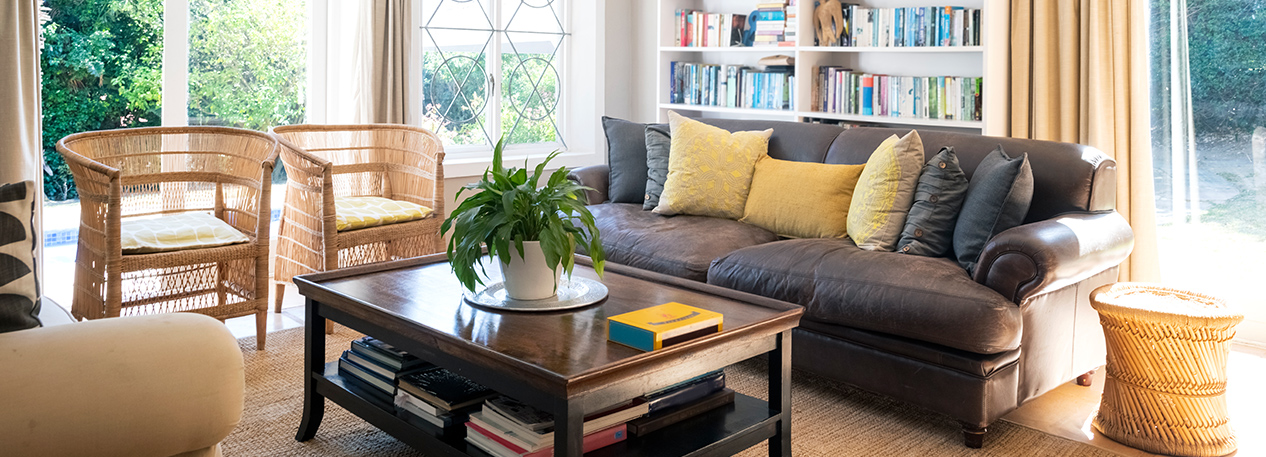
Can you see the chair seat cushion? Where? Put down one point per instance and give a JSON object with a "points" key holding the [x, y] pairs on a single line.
{"points": [[929, 299], [193, 230], [682, 246], [353, 213]]}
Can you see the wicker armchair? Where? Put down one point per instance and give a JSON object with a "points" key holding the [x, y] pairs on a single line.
{"points": [[324, 162], [155, 171]]}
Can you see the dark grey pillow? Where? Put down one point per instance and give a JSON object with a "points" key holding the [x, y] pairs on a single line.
{"points": [[998, 198], [658, 142], [942, 188], [19, 291], [626, 154]]}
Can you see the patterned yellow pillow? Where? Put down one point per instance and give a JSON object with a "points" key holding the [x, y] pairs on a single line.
{"points": [[353, 213], [709, 169], [885, 193], [176, 232], [801, 199]]}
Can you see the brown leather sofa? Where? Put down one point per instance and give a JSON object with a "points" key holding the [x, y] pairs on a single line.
{"points": [[918, 329]]}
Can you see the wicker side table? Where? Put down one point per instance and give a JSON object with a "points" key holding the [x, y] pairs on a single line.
{"points": [[1165, 389]]}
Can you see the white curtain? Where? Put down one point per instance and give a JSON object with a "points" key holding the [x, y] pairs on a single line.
{"points": [[20, 141], [362, 63]]}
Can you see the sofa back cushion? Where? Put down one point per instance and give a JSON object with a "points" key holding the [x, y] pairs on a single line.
{"points": [[626, 154], [797, 141], [1066, 176]]}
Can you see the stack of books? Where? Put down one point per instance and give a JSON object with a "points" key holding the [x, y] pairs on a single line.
{"points": [[789, 27], [682, 401], [771, 24], [840, 90], [438, 397], [371, 368], [702, 29], [505, 427]]}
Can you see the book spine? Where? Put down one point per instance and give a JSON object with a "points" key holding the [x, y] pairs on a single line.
{"points": [[868, 95], [593, 441], [687, 394]]}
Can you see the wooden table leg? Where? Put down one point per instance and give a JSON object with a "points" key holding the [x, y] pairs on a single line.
{"points": [[313, 366], [780, 394], [569, 426]]}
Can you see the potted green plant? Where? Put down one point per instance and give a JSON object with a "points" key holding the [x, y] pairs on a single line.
{"points": [[531, 227]]}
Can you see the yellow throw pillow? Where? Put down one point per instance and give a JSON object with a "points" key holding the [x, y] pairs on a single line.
{"points": [[709, 169], [176, 232], [353, 213], [885, 193], [801, 199]]}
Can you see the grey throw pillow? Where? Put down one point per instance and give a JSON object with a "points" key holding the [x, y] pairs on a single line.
{"points": [[998, 198], [942, 188], [626, 155], [658, 142], [19, 291]]}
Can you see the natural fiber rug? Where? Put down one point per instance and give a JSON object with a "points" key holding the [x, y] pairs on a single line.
{"points": [[828, 419]]}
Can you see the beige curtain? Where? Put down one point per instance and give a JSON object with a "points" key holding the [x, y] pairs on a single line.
{"points": [[388, 36], [1077, 71], [21, 156]]}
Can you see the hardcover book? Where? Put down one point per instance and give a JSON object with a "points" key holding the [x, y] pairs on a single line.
{"points": [[386, 354], [670, 416], [662, 326], [444, 389]]}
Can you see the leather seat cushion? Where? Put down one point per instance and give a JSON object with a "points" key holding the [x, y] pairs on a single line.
{"points": [[682, 246], [929, 299], [980, 365]]}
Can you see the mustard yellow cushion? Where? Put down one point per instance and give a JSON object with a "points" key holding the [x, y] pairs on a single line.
{"points": [[801, 199], [176, 232], [885, 193], [709, 169], [353, 213]]}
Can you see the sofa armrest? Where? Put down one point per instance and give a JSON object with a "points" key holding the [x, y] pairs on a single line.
{"points": [[145, 385], [1043, 256], [596, 177]]}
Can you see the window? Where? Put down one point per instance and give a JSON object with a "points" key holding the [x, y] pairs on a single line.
{"points": [[1209, 149], [494, 69]]}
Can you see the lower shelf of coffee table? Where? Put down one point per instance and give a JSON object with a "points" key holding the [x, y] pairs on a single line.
{"points": [[723, 431]]}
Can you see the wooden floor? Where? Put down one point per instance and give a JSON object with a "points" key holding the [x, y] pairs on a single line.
{"points": [[1065, 411]]}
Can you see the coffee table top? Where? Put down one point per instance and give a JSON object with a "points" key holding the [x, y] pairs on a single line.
{"points": [[559, 351]]}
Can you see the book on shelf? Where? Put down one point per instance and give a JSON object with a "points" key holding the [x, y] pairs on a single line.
{"points": [[532, 440], [669, 416], [386, 355], [382, 388], [685, 392], [920, 26], [444, 389], [662, 326], [840, 90], [494, 442], [445, 421], [696, 28], [731, 86]]}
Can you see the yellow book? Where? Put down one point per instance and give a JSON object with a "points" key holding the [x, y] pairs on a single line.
{"points": [[662, 326]]}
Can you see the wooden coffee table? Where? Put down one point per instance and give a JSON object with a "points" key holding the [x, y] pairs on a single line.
{"points": [[557, 361]]}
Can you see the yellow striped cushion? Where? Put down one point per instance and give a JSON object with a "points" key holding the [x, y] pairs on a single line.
{"points": [[353, 213], [176, 232]]}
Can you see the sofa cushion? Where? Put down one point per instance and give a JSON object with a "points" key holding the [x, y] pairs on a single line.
{"points": [[998, 197], [626, 154], [801, 199], [885, 192], [930, 226], [926, 298], [658, 143], [709, 169], [19, 289], [682, 246]]}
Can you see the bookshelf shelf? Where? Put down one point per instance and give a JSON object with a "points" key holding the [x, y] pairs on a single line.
{"points": [[915, 61], [893, 120], [721, 109]]}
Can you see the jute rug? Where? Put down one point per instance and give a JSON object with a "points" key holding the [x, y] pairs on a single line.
{"points": [[828, 419]]}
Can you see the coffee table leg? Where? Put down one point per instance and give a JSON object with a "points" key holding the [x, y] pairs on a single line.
{"points": [[313, 366], [569, 423], [780, 394]]}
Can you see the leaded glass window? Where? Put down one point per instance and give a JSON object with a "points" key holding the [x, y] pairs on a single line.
{"points": [[493, 69]]}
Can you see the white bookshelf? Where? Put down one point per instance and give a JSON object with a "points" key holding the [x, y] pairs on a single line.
{"points": [[965, 61]]}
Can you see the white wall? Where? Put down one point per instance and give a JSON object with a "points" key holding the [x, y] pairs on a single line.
{"points": [[630, 51]]}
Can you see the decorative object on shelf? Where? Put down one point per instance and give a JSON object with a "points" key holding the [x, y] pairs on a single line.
{"points": [[1165, 389], [828, 21], [513, 209]]}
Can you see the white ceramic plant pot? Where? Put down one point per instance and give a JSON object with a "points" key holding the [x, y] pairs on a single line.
{"points": [[529, 278]]}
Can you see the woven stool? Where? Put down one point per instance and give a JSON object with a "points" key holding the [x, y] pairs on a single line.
{"points": [[1165, 390]]}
